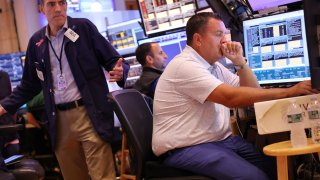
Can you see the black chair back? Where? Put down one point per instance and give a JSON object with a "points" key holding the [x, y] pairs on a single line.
{"points": [[136, 119]]}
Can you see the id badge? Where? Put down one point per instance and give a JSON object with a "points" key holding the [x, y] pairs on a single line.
{"points": [[62, 83]]}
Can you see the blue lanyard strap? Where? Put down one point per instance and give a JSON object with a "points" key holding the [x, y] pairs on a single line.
{"points": [[60, 57]]}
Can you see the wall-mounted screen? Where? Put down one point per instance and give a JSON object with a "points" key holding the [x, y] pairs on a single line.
{"points": [[159, 16], [257, 5], [276, 48]]}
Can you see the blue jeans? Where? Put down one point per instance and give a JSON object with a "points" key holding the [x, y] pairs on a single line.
{"points": [[232, 158]]}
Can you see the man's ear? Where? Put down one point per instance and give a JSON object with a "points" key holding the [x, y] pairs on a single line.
{"points": [[41, 8], [197, 39], [149, 59]]}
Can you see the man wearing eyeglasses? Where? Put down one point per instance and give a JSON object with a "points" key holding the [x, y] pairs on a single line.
{"points": [[191, 115], [64, 59]]}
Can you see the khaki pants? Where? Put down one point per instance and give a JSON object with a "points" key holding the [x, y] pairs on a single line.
{"points": [[81, 153]]}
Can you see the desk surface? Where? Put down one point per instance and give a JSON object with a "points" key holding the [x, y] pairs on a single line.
{"points": [[285, 148]]}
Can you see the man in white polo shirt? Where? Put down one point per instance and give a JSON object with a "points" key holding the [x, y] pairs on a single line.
{"points": [[191, 128]]}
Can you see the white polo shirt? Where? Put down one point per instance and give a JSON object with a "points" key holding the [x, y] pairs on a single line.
{"points": [[182, 116]]}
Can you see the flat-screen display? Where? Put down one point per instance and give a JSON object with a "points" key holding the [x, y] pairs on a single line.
{"points": [[124, 36], [12, 64], [160, 16], [276, 48], [257, 5], [171, 44]]}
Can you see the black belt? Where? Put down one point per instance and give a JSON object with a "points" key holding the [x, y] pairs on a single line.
{"points": [[69, 105]]}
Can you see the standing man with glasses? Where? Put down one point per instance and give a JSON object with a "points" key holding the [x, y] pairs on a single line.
{"points": [[64, 60]]}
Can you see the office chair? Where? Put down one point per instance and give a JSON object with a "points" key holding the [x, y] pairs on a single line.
{"points": [[22, 169], [136, 121]]}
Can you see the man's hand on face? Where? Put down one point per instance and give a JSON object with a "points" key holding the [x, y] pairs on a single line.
{"points": [[233, 51]]}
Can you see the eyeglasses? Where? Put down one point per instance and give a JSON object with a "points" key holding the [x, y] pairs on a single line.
{"points": [[53, 3]]}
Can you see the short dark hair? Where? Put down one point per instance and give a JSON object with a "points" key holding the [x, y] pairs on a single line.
{"points": [[41, 2], [143, 51], [197, 23]]}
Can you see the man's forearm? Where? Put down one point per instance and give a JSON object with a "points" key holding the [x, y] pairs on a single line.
{"points": [[247, 77]]}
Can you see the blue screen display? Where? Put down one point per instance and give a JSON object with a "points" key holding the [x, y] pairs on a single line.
{"points": [[276, 48], [12, 64]]}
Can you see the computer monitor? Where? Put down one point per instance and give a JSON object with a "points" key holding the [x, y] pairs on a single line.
{"points": [[276, 48], [257, 5], [312, 19], [160, 16], [124, 36], [171, 44], [12, 64]]}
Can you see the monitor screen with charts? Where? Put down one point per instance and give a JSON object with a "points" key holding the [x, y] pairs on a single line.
{"points": [[124, 36], [276, 48], [13, 65], [160, 16]]}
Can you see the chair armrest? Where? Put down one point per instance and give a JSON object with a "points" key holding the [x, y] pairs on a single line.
{"points": [[10, 128]]}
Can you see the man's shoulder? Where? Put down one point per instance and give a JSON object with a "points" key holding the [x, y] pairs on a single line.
{"points": [[39, 34], [78, 21]]}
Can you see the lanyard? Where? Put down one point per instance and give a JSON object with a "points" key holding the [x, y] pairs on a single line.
{"points": [[59, 58]]}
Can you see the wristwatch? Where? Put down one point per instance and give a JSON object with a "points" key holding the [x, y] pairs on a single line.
{"points": [[238, 67]]}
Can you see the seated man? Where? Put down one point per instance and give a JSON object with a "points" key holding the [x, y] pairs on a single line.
{"points": [[153, 60], [191, 123], [9, 143]]}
